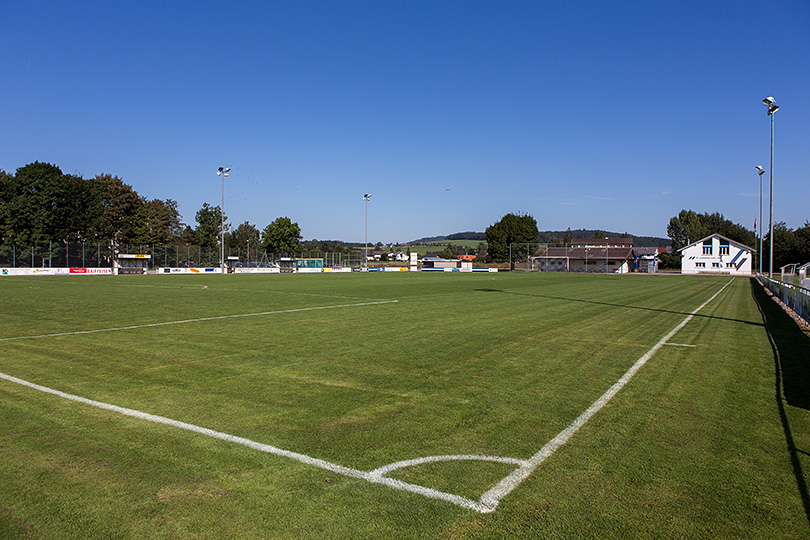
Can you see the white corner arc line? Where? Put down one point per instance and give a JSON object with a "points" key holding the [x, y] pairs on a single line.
{"points": [[374, 477], [381, 471], [491, 498], [200, 319]]}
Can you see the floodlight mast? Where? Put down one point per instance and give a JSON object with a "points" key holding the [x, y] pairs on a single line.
{"points": [[772, 108], [760, 171], [223, 172], [366, 198]]}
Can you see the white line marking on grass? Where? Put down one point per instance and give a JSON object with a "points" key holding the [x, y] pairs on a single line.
{"points": [[487, 503], [491, 498], [381, 471], [375, 477], [201, 319], [679, 345]]}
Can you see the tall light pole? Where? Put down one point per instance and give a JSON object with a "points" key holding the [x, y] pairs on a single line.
{"points": [[223, 172], [366, 197], [772, 108], [606, 254], [760, 171]]}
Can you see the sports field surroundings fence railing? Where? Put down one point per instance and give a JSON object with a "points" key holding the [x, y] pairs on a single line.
{"points": [[93, 255], [794, 296], [520, 256]]}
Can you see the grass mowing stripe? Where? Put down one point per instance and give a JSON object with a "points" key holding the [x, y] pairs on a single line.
{"points": [[492, 497], [200, 319], [488, 501]]}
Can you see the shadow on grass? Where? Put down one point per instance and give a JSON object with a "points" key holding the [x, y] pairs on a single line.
{"points": [[791, 353], [626, 306]]}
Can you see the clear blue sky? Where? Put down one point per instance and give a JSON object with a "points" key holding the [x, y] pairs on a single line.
{"points": [[608, 115]]}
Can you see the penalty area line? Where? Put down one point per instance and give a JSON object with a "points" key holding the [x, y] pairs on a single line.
{"points": [[200, 319]]}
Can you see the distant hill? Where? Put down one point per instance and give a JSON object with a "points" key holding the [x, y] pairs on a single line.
{"points": [[545, 237]]}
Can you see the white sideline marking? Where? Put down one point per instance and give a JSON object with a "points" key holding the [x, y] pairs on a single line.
{"points": [[487, 503], [201, 319], [491, 498], [679, 345], [375, 477]]}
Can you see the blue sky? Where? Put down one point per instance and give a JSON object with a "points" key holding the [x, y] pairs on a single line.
{"points": [[608, 115]]}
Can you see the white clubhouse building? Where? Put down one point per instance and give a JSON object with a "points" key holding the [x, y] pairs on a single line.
{"points": [[716, 254]]}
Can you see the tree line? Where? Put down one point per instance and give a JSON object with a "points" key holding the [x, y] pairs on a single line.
{"points": [[39, 204]]}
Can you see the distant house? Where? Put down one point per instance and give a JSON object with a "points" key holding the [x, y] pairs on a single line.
{"points": [[647, 259], [466, 257], [716, 254], [589, 259], [432, 262]]}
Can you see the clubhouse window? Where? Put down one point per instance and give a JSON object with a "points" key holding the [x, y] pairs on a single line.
{"points": [[700, 265]]}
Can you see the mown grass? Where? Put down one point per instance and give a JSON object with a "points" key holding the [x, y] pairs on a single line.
{"points": [[702, 443]]}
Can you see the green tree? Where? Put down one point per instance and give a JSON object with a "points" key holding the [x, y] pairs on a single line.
{"points": [[157, 222], [209, 223], [6, 181], [511, 229], [30, 199], [246, 234], [802, 242], [685, 228], [481, 251], [281, 236], [784, 246], [119, 205]]}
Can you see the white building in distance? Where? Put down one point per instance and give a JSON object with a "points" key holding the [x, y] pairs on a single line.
{"points": [[716, 254]]}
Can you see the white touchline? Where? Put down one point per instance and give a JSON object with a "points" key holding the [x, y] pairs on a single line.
{"points": [[375, 476], [492, 497], [487, 503], [201, 319]]}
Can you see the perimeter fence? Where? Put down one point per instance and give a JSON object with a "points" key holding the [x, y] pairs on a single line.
{"points": [[794, 296], [522, 257], [92, 255]]}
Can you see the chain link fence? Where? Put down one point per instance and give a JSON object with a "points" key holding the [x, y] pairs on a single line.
{"points": [[521, 256], [92, 255]]}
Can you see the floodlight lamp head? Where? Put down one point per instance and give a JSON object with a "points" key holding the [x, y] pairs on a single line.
{"points": [[760, 170], [367, 197], [769, 101], [772, 109]]}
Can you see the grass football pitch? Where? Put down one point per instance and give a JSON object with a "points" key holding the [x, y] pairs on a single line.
{"points": [[401, 405]]}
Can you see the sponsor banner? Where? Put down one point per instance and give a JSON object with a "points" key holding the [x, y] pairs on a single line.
{"points": [[266, 270], [337, 270], [133, 256], [308, 270], [173, 270], [92, 271], [55, 271]]}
